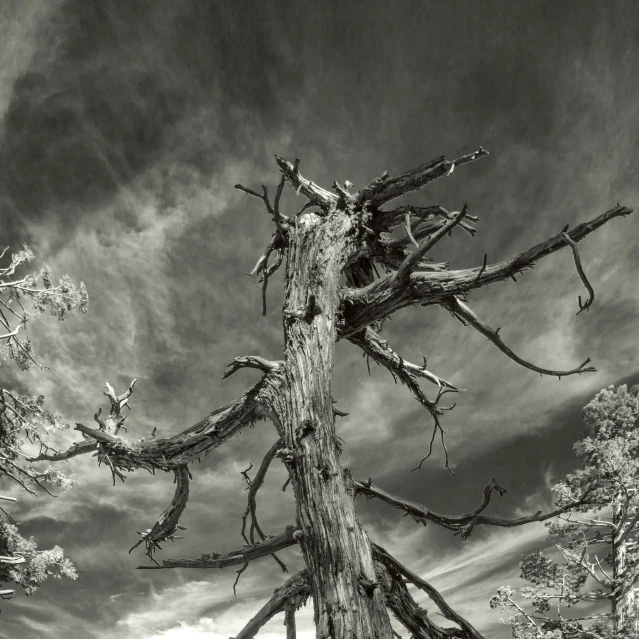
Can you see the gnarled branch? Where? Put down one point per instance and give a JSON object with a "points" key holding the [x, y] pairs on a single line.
{"points": [[316, 194], [381, 191], [288, 597], [168, 523], [369, 304], [243, 555], [406, 610], [171, 453], [461, 524], [251, 509], [252, 361], [379, 350], [390, 561], [464, 313], [412, 261]]}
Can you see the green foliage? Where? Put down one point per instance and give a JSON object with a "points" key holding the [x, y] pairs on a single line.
{"points": [[24, 419], [597, 543]]}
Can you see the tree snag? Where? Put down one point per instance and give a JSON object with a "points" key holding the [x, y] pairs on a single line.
{"points": [[338, 234]]}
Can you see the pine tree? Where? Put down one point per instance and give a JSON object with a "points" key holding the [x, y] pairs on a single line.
{"points": [[24, 418], [598, 557]]}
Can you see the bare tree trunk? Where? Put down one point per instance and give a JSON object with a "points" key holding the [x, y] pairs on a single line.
{"points": [[347, 601]]}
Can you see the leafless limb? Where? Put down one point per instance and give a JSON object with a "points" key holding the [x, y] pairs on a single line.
{"points": [[289, 622], [364, 306], [168, 523], [412, 261], [290, 596], [379, 192], [378, 350], [251, 508], [405, 609], [237, 579], [461, 524], [189, 445], [390, 561], [463, 312], [591, 293], [252, 361], [316, 194], [280, 220], [248, 553], [409, 233]]}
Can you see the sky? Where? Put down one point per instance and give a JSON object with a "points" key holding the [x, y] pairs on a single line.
{"points": [[125, 125]]}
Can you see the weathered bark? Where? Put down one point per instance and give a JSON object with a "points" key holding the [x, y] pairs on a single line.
{"points": [[347, 602]]}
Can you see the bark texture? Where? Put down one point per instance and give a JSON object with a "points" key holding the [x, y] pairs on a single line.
{"points": [[337, 552]]}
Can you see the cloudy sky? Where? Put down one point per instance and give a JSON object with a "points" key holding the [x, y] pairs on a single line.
{"points": [[125, 126]]}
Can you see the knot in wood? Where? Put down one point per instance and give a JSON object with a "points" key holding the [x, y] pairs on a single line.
{"points": [[367, 586], [325, 473]]}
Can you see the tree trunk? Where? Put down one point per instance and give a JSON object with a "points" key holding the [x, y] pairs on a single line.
{"points": [[624, 600], [348, 604]]}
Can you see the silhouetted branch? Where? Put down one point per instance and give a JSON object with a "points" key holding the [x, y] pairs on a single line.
{"points": [[167, 524], [251, 508], [381, 191], [390, 561], [369, 304], [463, 312], [461, 524]]}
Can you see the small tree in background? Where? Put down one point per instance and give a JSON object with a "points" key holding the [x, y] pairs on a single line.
{"points": [[597, 567], [24, 418]]}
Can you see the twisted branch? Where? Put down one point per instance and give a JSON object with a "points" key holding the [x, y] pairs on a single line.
{"points": [[463, 524], [288, 597], [251, 508], [381, 191], [379, 350], [167, 525], [582, 275], [463, 312], [412, 261], [248, 553], [431, 591], [185, 447], [364, 306], [252, 361]]}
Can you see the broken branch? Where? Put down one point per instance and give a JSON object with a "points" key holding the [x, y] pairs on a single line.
{"points": [[381, 191], [248, 553], [252, 361]]}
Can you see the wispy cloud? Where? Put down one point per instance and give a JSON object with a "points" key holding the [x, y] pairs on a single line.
{"points": [[123, 132]]}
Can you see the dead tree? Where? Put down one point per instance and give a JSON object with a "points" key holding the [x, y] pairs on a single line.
{"points": [[352, 581]]}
